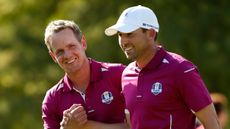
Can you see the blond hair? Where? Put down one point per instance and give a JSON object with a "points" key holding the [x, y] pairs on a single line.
{"points": [[58, 25]]}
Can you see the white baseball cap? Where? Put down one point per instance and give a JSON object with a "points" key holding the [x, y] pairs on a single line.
{"points": [[133, 18]]}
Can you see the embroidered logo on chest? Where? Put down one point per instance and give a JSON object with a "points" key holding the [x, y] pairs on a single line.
{"points": [[107, 97], [156, 88]]}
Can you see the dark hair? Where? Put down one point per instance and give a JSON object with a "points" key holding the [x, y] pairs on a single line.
{"points": [[144, 30], [219, 107]]}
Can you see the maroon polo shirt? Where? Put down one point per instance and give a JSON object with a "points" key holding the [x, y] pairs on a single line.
{"points": [[103, 99], [165, 93]]}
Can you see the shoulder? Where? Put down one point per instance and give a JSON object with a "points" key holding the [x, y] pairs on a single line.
{"points": [[113, 67], [130, 66], [107, 71], [180, 63], [53, 92]]}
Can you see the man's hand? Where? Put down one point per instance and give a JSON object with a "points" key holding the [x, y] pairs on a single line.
{"points": [[74, 117]]}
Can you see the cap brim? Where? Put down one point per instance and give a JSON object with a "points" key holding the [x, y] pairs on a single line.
{"points": [[121, 27]]}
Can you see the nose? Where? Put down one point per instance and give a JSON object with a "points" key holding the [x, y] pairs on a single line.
{"points": [[67, 54], [123, 40]]}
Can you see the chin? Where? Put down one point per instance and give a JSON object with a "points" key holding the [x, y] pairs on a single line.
{"points": [[130, 58]]}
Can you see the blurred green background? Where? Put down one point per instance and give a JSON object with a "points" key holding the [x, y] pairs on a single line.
{"points": [[197, 29]]}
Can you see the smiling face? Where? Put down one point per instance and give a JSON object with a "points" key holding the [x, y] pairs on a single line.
{"points": [[137, 45], [67, 50]]}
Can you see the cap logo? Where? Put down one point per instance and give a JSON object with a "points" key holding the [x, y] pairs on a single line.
{"points": [[157, 88], [107, 97], [148, 25]]}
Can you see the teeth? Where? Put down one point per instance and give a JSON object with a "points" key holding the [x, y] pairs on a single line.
{"points": [[127, 49], [71, 61]]}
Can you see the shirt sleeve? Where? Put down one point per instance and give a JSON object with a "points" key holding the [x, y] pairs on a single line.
{"points": [[192, 89], [49, 112]]}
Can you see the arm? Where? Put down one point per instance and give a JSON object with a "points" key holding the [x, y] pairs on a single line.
{"points": [[208, 117], [49, 113], [76, 118], [127, 115], [95, 125], [99, 125]]}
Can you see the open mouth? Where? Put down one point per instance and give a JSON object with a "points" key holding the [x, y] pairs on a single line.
{"points": [[71, 61], [127, 49]]}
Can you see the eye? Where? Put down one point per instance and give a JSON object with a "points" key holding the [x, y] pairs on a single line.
{"points": [[129, 34], [72, 46], [59, 53]]}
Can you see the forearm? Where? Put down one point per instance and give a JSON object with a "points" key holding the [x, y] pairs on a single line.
{"points": [[212, 124], [208, 117], [75, 118], [99, 125]]}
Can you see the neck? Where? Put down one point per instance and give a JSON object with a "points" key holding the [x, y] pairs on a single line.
{"points": [[81, 78], [146, 57]]}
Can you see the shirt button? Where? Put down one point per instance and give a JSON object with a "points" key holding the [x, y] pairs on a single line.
{"points": [[139, 96]]}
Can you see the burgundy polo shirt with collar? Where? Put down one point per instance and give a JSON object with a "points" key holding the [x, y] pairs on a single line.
{"points": [[165, 93], [103, 99]]}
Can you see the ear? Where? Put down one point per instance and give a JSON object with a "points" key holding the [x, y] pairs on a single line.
{"points": [[83, 42], [152, 33], [53, 56]]}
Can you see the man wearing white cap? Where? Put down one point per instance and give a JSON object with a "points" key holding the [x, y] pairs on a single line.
{"points": [[162, 90]]}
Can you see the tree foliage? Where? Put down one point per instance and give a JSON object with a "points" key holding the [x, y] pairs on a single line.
{"points": [[198, 30]]}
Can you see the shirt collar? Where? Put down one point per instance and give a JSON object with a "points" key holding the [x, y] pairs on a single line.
{"points": [[157, 59]]}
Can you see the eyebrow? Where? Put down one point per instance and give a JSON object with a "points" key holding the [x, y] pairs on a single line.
{"points": [[125, 33]]}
